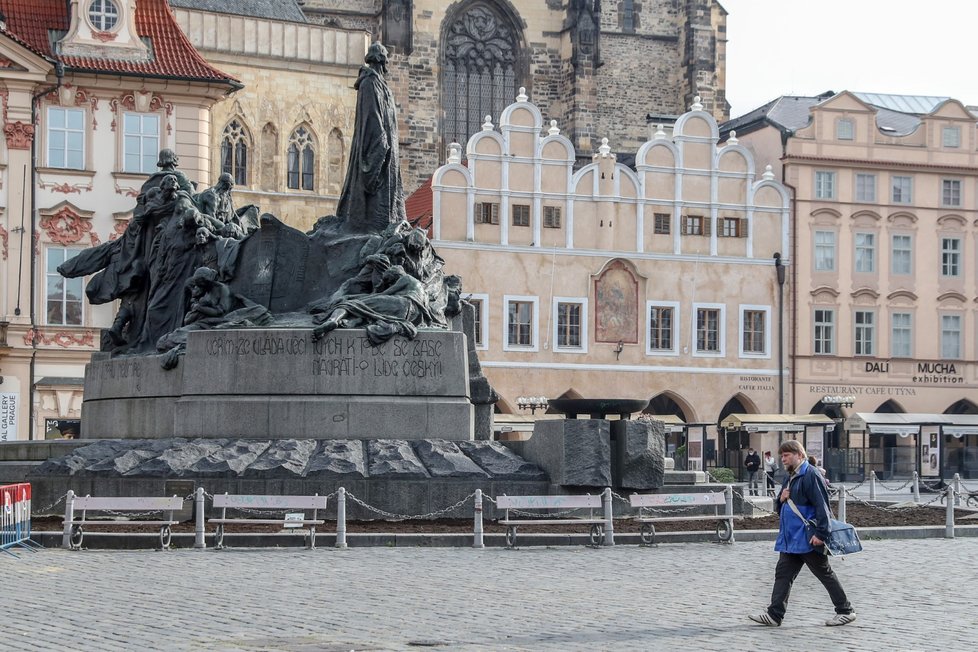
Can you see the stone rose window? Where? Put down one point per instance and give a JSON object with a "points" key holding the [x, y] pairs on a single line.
{"points": [[103, 14]]}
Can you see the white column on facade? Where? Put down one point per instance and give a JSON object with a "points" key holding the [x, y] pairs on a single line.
{"points": [[569, 208], [750, 230], [504, 186], [677, 214], [639, 226], [714, 212], [436, 214], [537, 209], [470, 213]]}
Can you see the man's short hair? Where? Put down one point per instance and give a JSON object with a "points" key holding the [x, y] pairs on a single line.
{"points": [[792, 446]]}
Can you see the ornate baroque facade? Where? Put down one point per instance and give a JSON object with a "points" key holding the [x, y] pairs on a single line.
{"points": [[597, 67], [84, 117]]}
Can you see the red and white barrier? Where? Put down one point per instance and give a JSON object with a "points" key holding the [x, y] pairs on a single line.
{"points": [[15, 518]]}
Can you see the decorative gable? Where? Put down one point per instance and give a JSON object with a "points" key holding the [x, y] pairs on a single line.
{"points": [[104, 29]]}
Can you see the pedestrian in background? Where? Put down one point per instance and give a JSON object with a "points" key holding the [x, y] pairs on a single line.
{"points": [[753, 465], [770, 467], [803, 498]]}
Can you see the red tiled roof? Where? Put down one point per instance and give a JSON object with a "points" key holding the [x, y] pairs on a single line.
{"points": [[173, 56], [419, 207]]}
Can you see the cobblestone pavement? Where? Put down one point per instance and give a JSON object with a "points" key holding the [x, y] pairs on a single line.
{"points": [[909, 595]]}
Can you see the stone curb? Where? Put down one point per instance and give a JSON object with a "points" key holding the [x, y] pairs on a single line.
{"points": [[148, 540]]}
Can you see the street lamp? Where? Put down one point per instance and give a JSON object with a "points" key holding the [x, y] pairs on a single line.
{"points": [[779, 270], [532, 403], [840, 401]]}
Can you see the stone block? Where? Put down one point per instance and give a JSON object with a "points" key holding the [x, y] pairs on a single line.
{"points": [[638, 461], [444, 459], [573, 452]]}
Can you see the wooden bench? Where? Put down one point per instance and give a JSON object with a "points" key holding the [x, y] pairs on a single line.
{"points": [[242, 502], [662, 504], [74, 528], [551, 503]]}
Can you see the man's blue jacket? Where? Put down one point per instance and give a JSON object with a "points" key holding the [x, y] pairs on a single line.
{"points": [[812, 500]]}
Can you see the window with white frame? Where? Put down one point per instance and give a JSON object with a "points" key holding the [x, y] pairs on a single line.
{"points": [[901, 254], [695, 225], [825, 251], [103, 15], [709, 329], [865, 252], [843, 129], [663, 327], [865, 187], [950, 337], [865, 335], [64, 297], [140, 142], [951, 136], [570, 324], [901, 335], [521, 323], [824, 331], [733, 227], [950, 192], [66, 138], [901, 189], [824, 184], [754, 335], [480, 327], [951, 257]]}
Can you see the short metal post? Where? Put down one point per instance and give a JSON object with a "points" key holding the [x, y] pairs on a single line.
{"points": [[477, 531], [199, 519], [957, 490], [872, 485], [916, 487], [949, 520], [842, 503], [341, 518], [69, 517], [728, 499], [609, 528]]}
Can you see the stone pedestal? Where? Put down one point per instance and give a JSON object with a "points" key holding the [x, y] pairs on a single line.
{"points": [[278, 383], [573, 452], [638, 454]]}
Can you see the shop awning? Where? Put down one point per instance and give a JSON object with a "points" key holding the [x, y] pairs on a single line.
{"points": [[775, 422], [671, 421], [900, 423]]}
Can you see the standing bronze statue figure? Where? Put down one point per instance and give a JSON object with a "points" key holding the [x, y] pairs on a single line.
{"points": [[372, 195]]}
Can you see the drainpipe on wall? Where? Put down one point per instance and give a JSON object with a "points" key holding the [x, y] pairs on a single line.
{"points": [[59, 73]]}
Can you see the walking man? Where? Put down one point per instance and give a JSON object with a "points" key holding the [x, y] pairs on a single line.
{"points": [[753, 464], [803, 498]]}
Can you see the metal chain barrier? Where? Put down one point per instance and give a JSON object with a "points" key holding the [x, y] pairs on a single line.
{"points": [[937, 486], [44, 511], [409, 517], [895, 508], [903, 486], [757, 507]]}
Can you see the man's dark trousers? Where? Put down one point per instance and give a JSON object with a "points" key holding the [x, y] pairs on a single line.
{"points": [[789, 565]]}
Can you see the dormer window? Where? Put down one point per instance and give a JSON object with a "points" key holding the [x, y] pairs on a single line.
{"points": [[103, 15]]}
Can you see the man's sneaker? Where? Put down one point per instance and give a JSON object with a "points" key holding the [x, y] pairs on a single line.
{"points": [[839, 619], [764, 618]]}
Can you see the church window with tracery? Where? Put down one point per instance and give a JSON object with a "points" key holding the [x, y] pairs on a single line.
{"points": [[302, 160], [480, 69], [234, 152]]}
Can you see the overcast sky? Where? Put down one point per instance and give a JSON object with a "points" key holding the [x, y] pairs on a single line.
{"points": [[804, 47]]}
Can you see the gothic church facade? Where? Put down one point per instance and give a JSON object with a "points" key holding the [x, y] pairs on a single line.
{"points": [[599, 68]]}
